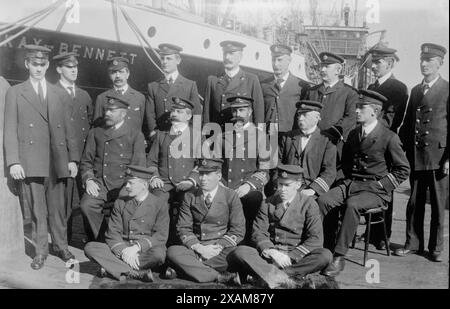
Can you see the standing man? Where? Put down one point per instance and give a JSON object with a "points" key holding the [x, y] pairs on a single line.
{"points": [[287, 233], [109, 149], [308, 148], [137, 231], [235, 82], [80, 112], [119, 73], [338, 115], [211, 224], [374, 165], [396, 92], [41, 152], [174, 166], [247, 158], [160, 93], [424, 133], [282, 91]]}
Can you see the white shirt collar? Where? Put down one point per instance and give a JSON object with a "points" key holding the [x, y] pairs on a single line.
{"points": [[384, 78], [35, 85], [289, 201], [173, 76], [310, 131], [124, 88], [211, 193], [432, 82], [178, 126], [284, 77], [369, 128], [117, 126], [67, 85], [233, 73], [332, 84]]}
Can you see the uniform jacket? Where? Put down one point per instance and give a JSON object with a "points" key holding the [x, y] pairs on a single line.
{"points": [[146, 224], [424, 130], [318, 159], [136, 110], [223, 223], [339, 106], [109, 151], [81, 112], [219, 89], [173, 169], [296, 230], [279, 105], [159, 101], [247, 158], [394, 109], [36, 136], [377, 157]]}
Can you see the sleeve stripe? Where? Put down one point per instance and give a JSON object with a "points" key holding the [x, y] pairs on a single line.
{"points": [[149, 242], [302, 249], [393, 180], [322, 183], [230, 240]]}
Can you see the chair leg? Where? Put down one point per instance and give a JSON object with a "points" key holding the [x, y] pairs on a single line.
{"points": [[386, 239], [367, 238]]}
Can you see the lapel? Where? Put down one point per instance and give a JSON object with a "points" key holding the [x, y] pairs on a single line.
{"points": [[433, 91], [279, 208], [199, 203], [164, 85], [370, 139], [179, 83], [272, 86], [290, 82], [73, 101], [295, 138], [291, 215], [145, 208], [236, 81], [312, 140], [32, 98]]}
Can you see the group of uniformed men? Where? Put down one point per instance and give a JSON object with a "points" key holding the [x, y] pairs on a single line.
{"points": [[242, 213]]}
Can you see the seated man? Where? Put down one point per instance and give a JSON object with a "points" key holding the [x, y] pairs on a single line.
{"points": [[108, 151], [374, 164], [137, 231], [309, 148], [211, 224], [287, 233], [172, 154]]}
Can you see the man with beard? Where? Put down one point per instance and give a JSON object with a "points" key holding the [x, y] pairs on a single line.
{"points": [[287, 234], [119, 72], [210, 225], [133, 247], [425, 134], [109, 149], [338, 100], [173, 84], [80, 111], [374, 165], [234, 82], [41, 152], [175, 172], [247, 158]]}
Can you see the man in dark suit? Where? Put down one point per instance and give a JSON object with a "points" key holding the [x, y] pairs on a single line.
{"points": [[211, 224], [41, 152], [383, 60], [173, 84], [247, 158], [234, 82], [396, 92], [287, 234], [310, 149], [424, 133], [338, 115], [137, 231], [173, 155], [80, 112], [109, 149], [374, 165], [119, 73]]}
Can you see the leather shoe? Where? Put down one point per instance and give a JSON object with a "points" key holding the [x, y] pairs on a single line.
{"points": [[404, 252], [64, 255], [102, 273], [169, 273], [381, 245], [142, 275], [229, 278], [335, 267], [38, 261], [435, 256]]}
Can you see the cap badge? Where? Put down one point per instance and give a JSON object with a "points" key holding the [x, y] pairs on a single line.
{"points": [[115, 62], [111, 101], [128, 171], [325, 57], [426, 49], [284, 175], [204, 162]]}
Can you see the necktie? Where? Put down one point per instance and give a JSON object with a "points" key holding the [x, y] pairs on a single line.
{"points": [[377, 84], [41, 93], [425, 88], [279, 82], [286, 205], [72, 93], [364, 134], [208, 200], [119, 91], [170, 81]]}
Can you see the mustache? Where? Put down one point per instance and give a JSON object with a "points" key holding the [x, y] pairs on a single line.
{"points": [[237, 119]]}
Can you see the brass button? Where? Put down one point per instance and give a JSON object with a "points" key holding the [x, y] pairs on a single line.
{"points": [[31, 142], [31, 125]]}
